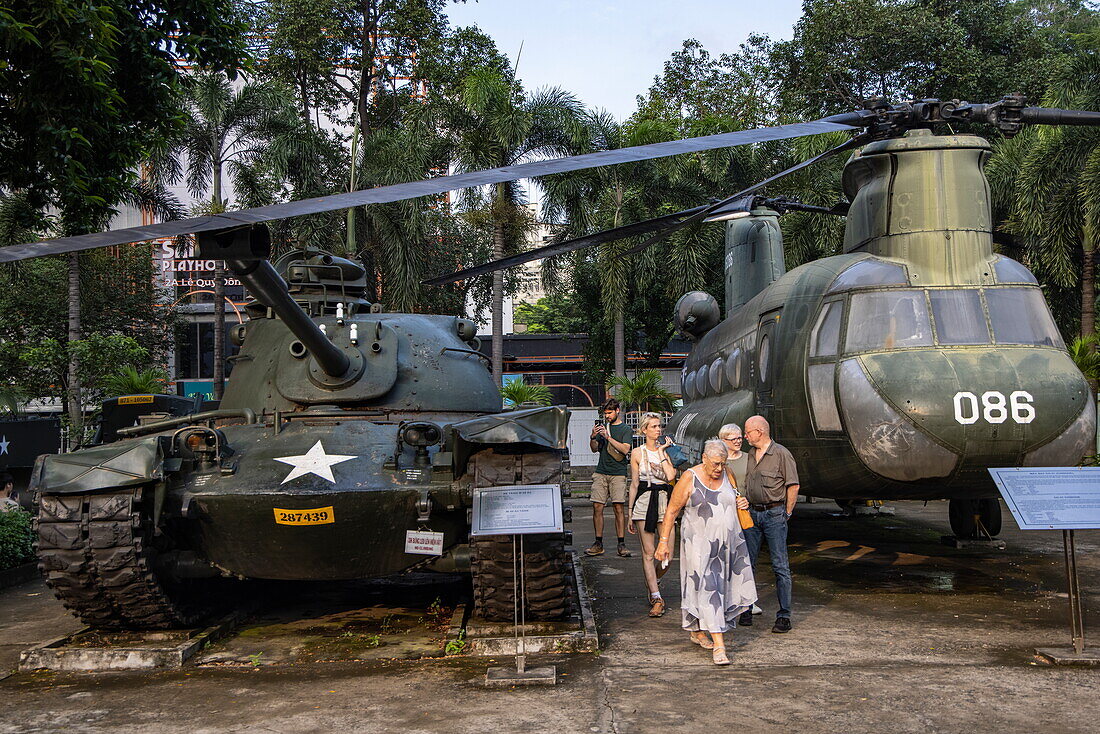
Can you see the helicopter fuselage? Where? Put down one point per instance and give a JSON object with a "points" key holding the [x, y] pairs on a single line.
{"points": [[906, 367]]}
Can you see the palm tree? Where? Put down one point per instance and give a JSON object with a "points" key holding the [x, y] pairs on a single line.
{"points": [[229, 132], [131, 381], [606, 198], [1083, 352], [394, 238], [644, 391], [1047, 180], [518, 392], [500, 125]]}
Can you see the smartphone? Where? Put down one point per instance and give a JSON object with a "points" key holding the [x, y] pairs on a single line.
{"points": [[598, 422]]}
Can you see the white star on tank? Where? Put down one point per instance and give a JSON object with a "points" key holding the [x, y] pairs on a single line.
{"points": [[314, 461]]}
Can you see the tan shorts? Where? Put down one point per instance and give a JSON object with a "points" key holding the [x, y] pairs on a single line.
{"points": [[641, 506], [605, 487]]}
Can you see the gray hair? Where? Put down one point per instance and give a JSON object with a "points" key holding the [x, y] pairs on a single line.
{"points": [[728, 429], [716, 448]]}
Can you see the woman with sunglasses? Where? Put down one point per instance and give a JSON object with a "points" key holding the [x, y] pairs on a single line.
{"points": [[738, 461]]}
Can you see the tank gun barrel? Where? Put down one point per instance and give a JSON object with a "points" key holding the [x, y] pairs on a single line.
{"points": [[270, 289], [245, 251]]}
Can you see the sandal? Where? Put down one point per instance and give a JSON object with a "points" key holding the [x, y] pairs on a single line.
{"points": [[703, 642], [719, 656], [658, 608]]}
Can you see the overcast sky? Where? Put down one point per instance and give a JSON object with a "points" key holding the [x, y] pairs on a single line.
{"points": [[608, 52]]}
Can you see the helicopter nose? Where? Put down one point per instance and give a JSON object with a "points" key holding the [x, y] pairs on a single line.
{"points": [[919, 414]]}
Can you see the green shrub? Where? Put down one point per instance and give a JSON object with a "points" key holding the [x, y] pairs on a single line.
{"points": [[15, 538]]}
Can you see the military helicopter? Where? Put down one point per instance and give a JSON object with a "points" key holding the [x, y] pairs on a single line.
{"points": [[126, 529], [907, 366]]}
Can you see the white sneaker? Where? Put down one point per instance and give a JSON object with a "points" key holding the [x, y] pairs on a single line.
{"points": [[757, 610]]}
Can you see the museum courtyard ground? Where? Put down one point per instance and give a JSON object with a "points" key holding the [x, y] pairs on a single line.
{"points": [[893, 631]]}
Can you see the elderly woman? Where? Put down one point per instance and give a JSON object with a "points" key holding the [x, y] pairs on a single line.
{"points": [[715, 575], [651, 477], [738, 461]]}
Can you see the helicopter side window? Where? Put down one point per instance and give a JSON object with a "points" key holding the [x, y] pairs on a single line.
{"points": [[1010, 271], [959, 317], [717, 375], [825, 338], [688, 385], [733, 368], [1020, 316], [888, 320], [869, 272]]}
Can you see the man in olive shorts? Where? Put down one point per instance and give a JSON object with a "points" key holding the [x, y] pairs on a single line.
{"points": [[612, 441]]}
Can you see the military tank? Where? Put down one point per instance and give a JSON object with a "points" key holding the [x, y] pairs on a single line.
{"points": [[342, 429]]}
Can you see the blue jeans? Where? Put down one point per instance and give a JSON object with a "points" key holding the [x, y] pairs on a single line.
{"points": [[771, 525]]}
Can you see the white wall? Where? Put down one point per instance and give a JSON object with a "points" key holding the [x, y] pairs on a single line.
{"points": [[580, 428]]}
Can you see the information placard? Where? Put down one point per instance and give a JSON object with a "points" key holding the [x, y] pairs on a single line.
{"points": [[1051, 498], [423, 542], [518, 509]]}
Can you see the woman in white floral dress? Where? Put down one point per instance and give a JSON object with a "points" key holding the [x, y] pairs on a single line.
{"points": [[716, 578]]}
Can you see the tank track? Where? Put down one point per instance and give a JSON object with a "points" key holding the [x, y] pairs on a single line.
{"points": [[96, 555], [549, 569]]}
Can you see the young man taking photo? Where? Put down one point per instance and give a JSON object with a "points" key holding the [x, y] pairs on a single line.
{"points": [[611, 440]]}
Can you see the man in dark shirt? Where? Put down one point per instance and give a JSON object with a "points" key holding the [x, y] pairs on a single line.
{"points": [[771, 487], [612, 441]]}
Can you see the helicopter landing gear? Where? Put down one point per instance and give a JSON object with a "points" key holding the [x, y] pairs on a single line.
{"points": [[975, 519]]}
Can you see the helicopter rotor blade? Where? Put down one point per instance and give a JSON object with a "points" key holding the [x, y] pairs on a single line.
{"points": [[416, 189], [853, 142], [560, 248], [665, 225]]}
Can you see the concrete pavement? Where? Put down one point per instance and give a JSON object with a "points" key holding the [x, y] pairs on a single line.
{"points": [[892, 631]]}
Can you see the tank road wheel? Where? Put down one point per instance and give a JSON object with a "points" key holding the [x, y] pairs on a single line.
{"points": [[97, 553], [975, 519], [549, 584]]}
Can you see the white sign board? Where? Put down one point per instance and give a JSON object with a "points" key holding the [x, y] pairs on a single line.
{"points": [[1051, 498], [424, 542], [517, 509]]}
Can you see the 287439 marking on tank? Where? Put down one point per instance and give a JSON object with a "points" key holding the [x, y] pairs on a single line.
{"points": [[318, 516]]}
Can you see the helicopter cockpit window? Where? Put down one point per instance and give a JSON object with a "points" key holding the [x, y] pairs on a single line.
{"points": [[1010, 271], [959, 317], [888, 320], [1020, 316], [869, 272], [825, 338]]}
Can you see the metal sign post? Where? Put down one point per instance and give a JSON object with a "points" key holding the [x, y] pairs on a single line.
{"points": [[518, 510], [1058, 498], [1076, 617]]}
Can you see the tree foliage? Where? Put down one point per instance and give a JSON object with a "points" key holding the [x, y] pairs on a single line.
{"points": [[89, 89], [643, 391], [121, 323], [517, 392]]}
